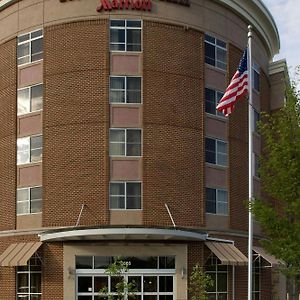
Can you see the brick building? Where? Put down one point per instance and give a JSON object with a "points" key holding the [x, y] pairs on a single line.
{"points": [[110, 145]]}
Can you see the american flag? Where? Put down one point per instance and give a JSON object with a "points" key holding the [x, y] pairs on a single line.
{"points": [[237, 87]]}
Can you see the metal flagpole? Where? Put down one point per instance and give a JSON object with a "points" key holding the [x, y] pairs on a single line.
{"points": [[250, 156]]}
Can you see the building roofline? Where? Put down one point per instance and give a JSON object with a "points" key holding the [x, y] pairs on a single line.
{"points": [[253, 11], [257, 14], [6, 3], [278, 66]]}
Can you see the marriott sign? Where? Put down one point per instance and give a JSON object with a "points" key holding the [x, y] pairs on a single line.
{"points": [[127, 4]]}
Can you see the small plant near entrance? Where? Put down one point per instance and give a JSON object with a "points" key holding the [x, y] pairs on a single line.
{"points": [[121, 289], [199, 283]]}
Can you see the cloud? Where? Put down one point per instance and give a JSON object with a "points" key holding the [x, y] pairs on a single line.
{"points": [[287, 17]]}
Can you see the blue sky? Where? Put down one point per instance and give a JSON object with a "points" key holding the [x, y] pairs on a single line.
{"points": [[287, 17]]}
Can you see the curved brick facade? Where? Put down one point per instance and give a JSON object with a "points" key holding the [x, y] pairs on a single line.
{"points": [[76, 170], [173, 125], [76, 123]]}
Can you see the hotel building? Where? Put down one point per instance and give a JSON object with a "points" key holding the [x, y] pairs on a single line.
{"points": [[110, 146]]}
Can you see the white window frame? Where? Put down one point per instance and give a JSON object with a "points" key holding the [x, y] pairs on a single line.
{"points": [[29, 201], [30, 40], [256, 272], [125, 195], [125, 90], [255, 69], [217, 271], [218, 152], [131, 272], [125, 142], [216, 46], [29, 272], [30, 99], [256, 165], [217, 202], [256, 119], [217, 97], [125, 28], [28, 138]]}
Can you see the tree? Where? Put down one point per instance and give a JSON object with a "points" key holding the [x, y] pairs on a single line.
{"points": [[122, 288], [280, 176], [199, 283]]}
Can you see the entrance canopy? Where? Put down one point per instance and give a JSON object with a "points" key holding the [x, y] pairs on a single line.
{"points": [[79, 234]]}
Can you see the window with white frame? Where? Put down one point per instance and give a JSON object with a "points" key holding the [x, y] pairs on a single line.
{"points": [[29, 149], [216, 201], [219, 275], [216, 151], [256, 77], [256, 166], [152, 277], [212, 98], [125, 195], [125, 142], [215, 52], [30, 99], [256, 276], [29, 280], [30, 47], [29, 200], [126, 35], [256, 118], [125, 89]]}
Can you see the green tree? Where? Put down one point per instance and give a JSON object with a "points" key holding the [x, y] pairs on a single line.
{"points": [[122, 288], [280, 176], [199, 283]]}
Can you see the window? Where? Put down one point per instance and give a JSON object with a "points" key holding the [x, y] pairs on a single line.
{"points": [[216, 201], [255, 74], [125, 35], [29, 149], [152, 276], [30, 99], [29, 200], [219, 275], [29, 280], [30, 47], [256, 118], [215, 52], [212, 98], [216, 152], [125, 89], [125, 195], [256, 166], [256, 267], [125, 142]]}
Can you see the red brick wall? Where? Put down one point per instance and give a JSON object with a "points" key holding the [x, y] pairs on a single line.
{"points": [[173, 147], [76, 123], [7, 275], [196, 256], [53, 270], [238, 154], [8, 89]]}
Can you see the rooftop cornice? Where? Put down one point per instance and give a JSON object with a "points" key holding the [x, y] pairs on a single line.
{"points": [[257, 14], [5, 3], [253, 11]]}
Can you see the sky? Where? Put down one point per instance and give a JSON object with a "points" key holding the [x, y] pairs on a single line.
{"points": [[287, 17]]}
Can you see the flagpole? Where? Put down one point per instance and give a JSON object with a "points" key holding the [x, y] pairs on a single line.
{"points": [[250, 167]]}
